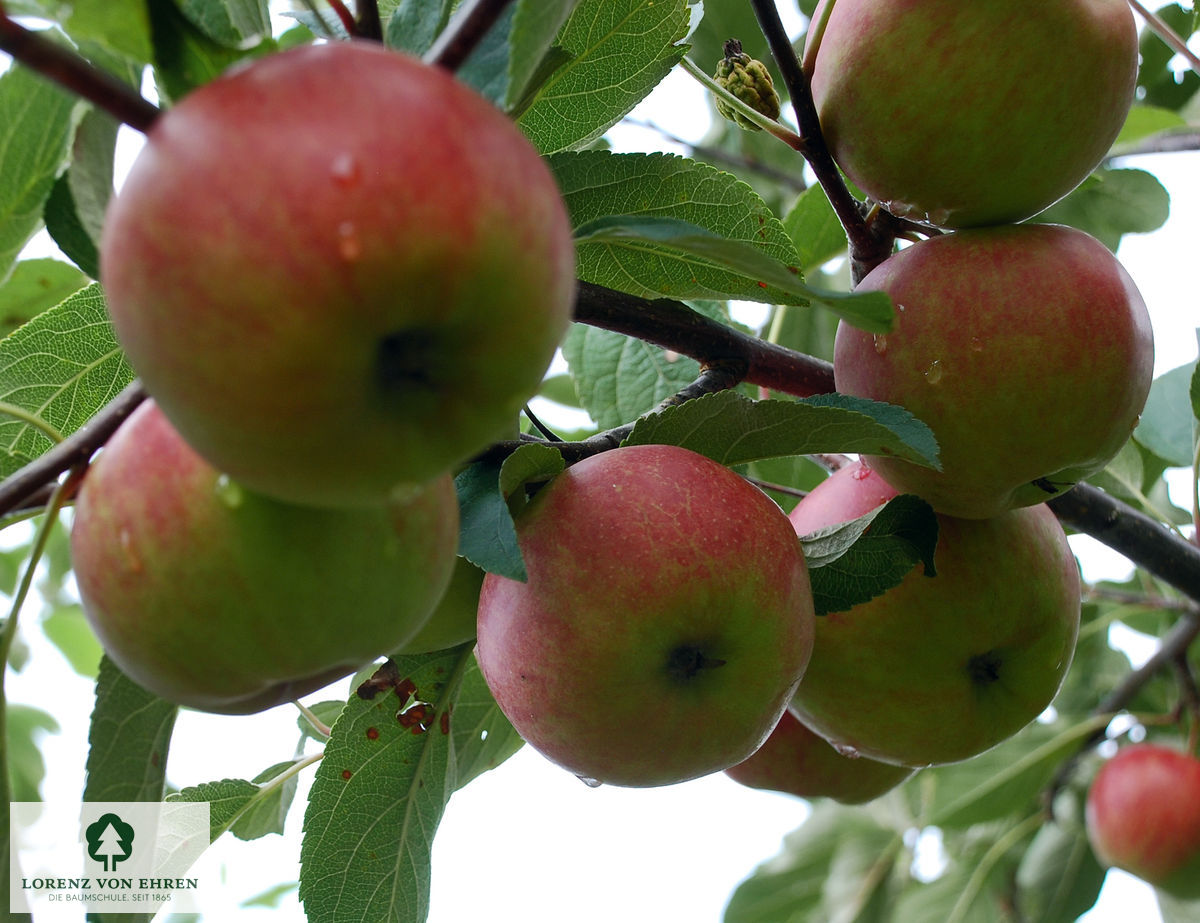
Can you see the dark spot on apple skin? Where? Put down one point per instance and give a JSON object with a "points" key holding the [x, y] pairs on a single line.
{"points": [[984, 669], [407, 359], [686, 661]]}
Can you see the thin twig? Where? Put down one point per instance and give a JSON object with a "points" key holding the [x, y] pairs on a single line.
{"points": [[1173, 646], [1176, 43], [870, 242], [464, 32], [73, 72], [547, 432]]}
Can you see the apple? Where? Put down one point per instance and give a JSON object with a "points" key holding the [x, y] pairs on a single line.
{"points": [[1026, 349], [939, 669], [798, 762], [338, 269], [665, 623], [453, 621], [219, 598], [968, 114], [1143, 816]]}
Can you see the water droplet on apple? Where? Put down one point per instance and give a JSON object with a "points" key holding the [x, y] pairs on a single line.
{"points": [[132, 561], [345, 170], [590, 783], [934, 373], [230, 492], [349, 244], [880, 343], [847, 750]]}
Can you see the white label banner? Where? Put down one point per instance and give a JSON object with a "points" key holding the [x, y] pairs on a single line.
{"points": [[115, 856]]}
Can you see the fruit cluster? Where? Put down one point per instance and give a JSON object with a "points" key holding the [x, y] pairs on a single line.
{"points": [[329, 317], [330, 321]]}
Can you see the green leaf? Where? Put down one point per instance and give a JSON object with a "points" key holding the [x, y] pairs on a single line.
{"points": [[379, 794], [1059, 877], [486, 535], [598, 184], [651, 234], [69, 631], [37, 123], [61, 367], [414, 24], [856, 561], [1176, 909], [829, 868], [121, 27], [531, 463], [1007, 781], [65, 226], [536, 23], [733, 429], [483, 737], [619, 51], [25, 726], [128, 741], [249, 809], [36, 286], [813, 226], [1166, 424], [486, 68], [618, 378], [233, 23], [185, 57], [1144, 121], [1111, 203], [272, 896]]}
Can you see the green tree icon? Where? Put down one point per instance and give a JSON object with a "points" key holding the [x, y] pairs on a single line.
{"points": [[110, 840]]}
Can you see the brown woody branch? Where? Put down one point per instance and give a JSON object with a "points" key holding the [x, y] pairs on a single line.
{"points": [[870, 240], [464, 32], [673, 325], [75, 450], [73, 72]]}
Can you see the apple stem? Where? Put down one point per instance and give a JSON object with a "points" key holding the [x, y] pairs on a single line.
{"points": [[464, 32], [73, 72]]}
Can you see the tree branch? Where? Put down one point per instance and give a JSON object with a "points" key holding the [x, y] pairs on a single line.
{"points": [[464, 32], [673, 325], [76, 449], [73, 72], [1142, 539]]}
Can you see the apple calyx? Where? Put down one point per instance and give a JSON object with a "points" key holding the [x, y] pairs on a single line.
{"points": [[687, 661]]}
